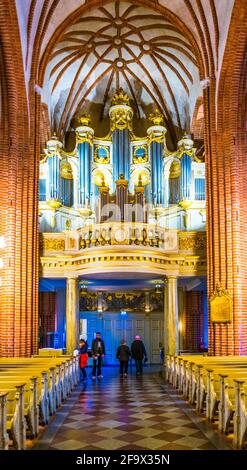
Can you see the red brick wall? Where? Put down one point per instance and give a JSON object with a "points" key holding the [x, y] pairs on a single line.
{"points": [[18, 190], [45, 128], [197, 126], [226, 164]]}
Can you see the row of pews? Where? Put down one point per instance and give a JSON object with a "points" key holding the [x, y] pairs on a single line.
{"points": [[31, 390], [217, 387]]}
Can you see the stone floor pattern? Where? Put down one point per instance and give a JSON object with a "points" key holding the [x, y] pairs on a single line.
{"points": [[128, 414]]}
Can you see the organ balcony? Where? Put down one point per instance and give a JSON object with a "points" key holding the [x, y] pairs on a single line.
{"points": [[122, 198]]}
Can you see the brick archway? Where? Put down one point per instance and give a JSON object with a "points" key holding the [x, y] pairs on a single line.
{"points": [[225, 140]]}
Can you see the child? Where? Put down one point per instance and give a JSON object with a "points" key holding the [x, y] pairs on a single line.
{"points": [[83, 358], [123, 354]]}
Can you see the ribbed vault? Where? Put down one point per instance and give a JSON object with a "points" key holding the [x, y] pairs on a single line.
{"points": [[77, 54], [124, 45]]}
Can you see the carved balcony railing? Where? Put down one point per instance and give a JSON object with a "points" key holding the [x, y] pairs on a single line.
{"points": [[129, 234]]}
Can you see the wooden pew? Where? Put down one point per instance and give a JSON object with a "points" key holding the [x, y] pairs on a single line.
{"points": [[210, 381], [4, 438], [44, 390], [15, 419], [227, 405], [31, 408], [240, 417], [46, 382]]}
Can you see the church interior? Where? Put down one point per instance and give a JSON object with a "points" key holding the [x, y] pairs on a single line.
{"points": [[123, 221]]}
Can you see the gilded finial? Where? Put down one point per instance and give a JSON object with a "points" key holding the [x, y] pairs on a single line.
{"points": [[157, 118], [68, 224], [140, 180], [120, 97], [85, 119]]}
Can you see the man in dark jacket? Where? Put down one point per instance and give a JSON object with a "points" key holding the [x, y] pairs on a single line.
{"points": [[138, 352], [98, 352], [123, 354]]}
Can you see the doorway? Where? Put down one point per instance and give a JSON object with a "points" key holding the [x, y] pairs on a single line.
{"points": [[115, 326]]}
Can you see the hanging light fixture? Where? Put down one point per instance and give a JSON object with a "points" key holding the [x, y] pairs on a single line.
{"points": [[83, 288]]}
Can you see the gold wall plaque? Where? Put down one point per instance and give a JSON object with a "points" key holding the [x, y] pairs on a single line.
{"points": [[220, 306]]}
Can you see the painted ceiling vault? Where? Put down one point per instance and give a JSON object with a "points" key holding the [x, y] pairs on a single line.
{"points": [[84, 50], [122, 45]]}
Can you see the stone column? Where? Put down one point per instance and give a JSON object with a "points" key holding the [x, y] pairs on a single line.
{"points": [[72, 315], [171, 316]]}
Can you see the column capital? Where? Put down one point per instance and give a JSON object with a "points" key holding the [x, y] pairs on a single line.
{"points": [[170, 277]]}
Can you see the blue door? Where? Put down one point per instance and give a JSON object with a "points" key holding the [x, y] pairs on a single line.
{"points": [[115, 326]]}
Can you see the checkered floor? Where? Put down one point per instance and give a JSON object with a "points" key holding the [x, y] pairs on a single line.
{"points": [[128, 414]]}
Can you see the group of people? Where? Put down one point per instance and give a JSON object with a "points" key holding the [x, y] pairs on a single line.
{"points": [[137, 352]]}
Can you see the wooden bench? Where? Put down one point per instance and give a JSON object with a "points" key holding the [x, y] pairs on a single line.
{"points": [[31, 406], [4, 438], [217, 386], [15, 420], [31, 389], [240, 417]]}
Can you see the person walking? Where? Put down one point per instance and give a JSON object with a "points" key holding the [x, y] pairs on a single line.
{"points": [[138, 352], [162, 353], [98, 352], [83, 358], [123, 354]]}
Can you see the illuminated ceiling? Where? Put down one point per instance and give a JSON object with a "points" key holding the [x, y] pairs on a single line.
{"points": [[79, 51], [128, 46]]}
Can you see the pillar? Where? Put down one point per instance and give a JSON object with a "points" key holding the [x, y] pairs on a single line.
{"points": [[72, 315], [171, 315]]}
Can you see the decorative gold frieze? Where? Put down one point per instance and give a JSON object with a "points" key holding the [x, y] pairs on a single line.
{"points": [[52, 244], [192, 241]]}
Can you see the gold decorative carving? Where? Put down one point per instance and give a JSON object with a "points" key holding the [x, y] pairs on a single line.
{"points": [[220, 306], [98, 159], [66, 170], [121, 117], [154, 137], [52, 244], [192, 242], [157, 118], [88, 137], [120, 97], [85, 119], [120, 112], [140, 159]]}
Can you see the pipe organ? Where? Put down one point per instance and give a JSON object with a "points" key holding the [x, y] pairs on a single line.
{"points": [[121, 177]]}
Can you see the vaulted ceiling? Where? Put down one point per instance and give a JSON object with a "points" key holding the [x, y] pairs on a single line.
{"points": [[158, 51], [128, 46]]}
